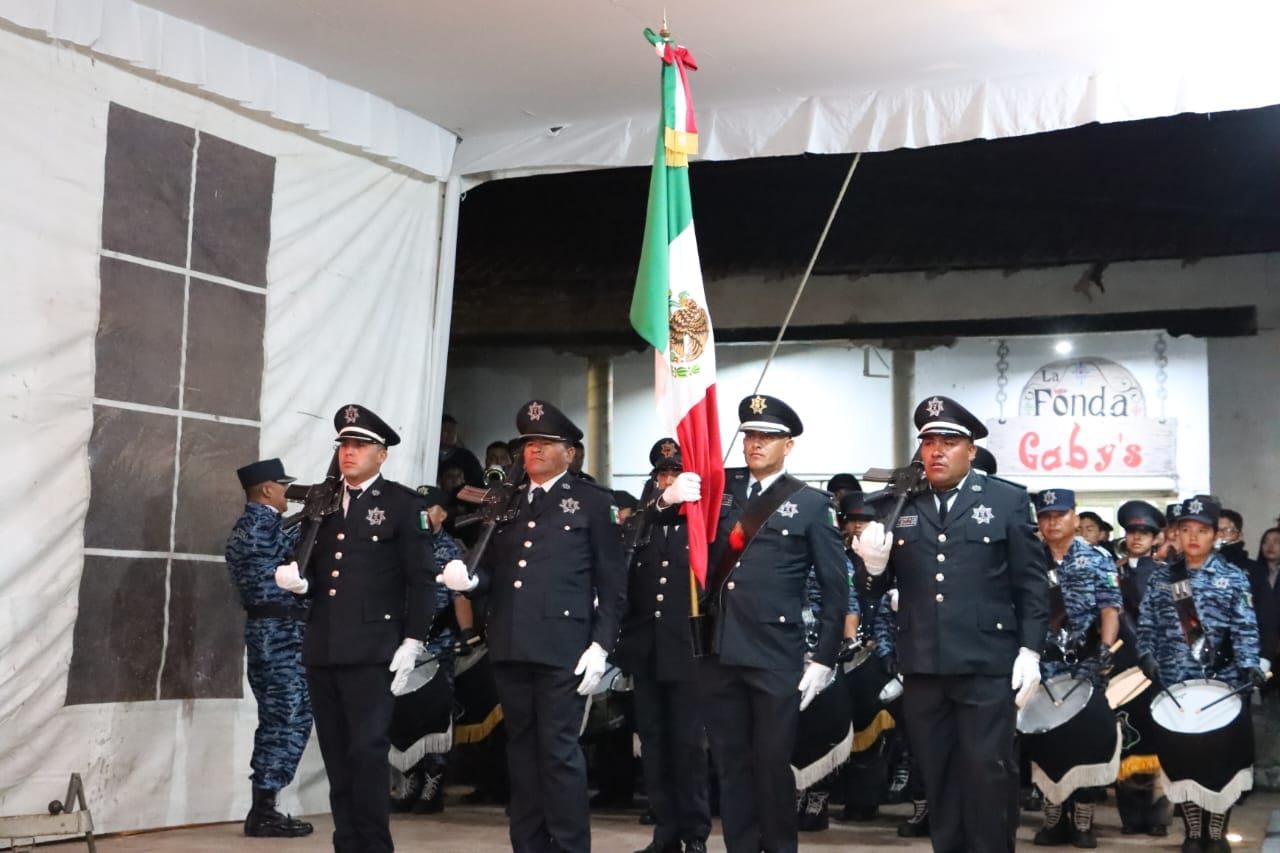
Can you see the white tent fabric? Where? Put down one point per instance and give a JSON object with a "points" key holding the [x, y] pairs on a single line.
{"points": [[197, 56], [351, 311]]}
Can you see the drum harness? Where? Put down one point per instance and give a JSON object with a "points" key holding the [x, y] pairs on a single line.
{"points": [[1185, 604]]}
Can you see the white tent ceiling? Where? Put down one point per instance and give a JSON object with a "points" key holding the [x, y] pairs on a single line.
{"points": [[776, 78]]}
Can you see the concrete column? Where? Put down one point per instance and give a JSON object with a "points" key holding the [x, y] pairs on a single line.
{"points": [[903, 366], [599, 417]]}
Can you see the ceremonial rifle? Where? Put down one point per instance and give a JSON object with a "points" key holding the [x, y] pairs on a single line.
{"points": [[319, 500], [904, 483], [635, 531], [500, 505]]}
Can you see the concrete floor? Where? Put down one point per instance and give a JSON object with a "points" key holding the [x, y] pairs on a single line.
{"points": [[482, 829]]}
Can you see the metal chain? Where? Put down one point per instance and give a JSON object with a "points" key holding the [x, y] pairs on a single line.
{"points": [[1162, 377], [1002, 375]]}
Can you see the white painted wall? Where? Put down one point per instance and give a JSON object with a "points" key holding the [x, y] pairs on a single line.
{"points": [[1229, 447]]}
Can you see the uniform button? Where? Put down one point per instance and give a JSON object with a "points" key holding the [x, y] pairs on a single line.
{"points": [[566, 613], [662, 580], [533, 524], [375, 538], [333, 592], [942, 537], [522, 563], [938, 576], [341, 536], [334, 573], [518, 584], [666, 563], [939, 597], [986, 538], [566, 527], [999, 626], [657, 614], [902, 542], [659, 596], [337, 555], [782, 619], [738, 564], [528, 544], [942, 558], [730, 585], [386, 616]]}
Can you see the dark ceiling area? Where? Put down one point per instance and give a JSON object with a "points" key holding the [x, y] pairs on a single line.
{"points": [[1184, 187]]}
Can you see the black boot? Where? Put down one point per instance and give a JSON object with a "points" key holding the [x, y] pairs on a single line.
{"points": [[1192, 821], [1082, 826], [916, 826], [431, 799], [1056, 830], [813, 816], [1216, 831], [263, 821]]}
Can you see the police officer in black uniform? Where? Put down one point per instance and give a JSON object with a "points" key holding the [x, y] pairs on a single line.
{"points": [[757, 597], [556, 585], [370, 579], [656, 649], [973, 608]]}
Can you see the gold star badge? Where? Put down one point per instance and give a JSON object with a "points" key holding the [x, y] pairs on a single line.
{"points": [[668, 449], [758, 405]]}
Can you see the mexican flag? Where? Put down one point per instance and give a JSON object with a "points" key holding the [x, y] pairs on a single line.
{"points": [[669, 308]]}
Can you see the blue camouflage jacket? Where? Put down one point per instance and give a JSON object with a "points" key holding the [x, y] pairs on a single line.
{"points": [[257, 544], [1224, 604], [1089, 583], [440, 641]]}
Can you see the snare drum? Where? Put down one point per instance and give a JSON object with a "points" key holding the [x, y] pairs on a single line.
{"points": [[1071, 736], [824, 736], [1206, 754]]}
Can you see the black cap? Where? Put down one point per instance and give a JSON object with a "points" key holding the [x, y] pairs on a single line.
{"points": [[355, 421], [665, 454], [944, 416], [985, 461], [624, 500], [1201, 508], [263, 471], [1139, 515], [762, 413], [434, 496], [1055, 500], [540, 419], [853, 507], [846, 482]]}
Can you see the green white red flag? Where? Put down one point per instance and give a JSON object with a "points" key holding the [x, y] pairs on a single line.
{"points": [[669, 307]]}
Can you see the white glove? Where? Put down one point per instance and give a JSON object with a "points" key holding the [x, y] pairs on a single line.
{"points": [[687, 487], [893, 599], [591, 667], [873, 547], [456, 578], [287, 577], [1026, 675], [816, 678], [1264, 665], [402, 663], [892, 690]]}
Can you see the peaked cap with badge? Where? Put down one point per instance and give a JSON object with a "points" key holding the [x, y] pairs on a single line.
{"points": [[1201, 508], [540, 419], [263, 471], [356, 421], [1140, 515], [665, 455], [1055, 500], [762, 413], [939, 415]]}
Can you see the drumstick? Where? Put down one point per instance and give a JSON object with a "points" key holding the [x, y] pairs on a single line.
{"points": [[1241, 689], [1115, 647]]}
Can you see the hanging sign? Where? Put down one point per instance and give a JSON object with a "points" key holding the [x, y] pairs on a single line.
{"points": [[1084, 416]]}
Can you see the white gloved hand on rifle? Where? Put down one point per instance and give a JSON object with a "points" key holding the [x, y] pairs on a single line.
{"points": [[687, 488], [455, 577], [287, 577], [403, 662], [873, 547]]}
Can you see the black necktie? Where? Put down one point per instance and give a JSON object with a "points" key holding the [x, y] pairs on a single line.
{"points": [[352, 496], [944, 498], [535, 498], [754, 492]]}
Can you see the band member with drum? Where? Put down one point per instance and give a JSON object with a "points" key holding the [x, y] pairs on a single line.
{"points": [[1199, 640], [656, 649], [774, 530], [1076, 755], [1136, 779], [556, 581], [972, 615]]}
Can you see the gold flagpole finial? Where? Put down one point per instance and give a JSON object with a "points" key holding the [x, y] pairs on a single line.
{"points": [[664, 32]]}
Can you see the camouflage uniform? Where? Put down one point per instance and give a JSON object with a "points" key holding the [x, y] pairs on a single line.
{"points": [[1089, 583], [258, 543]]}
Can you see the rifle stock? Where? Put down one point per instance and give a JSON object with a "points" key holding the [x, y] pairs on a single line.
{"points": [[500, 505], [635, 532], [319, 500]]}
